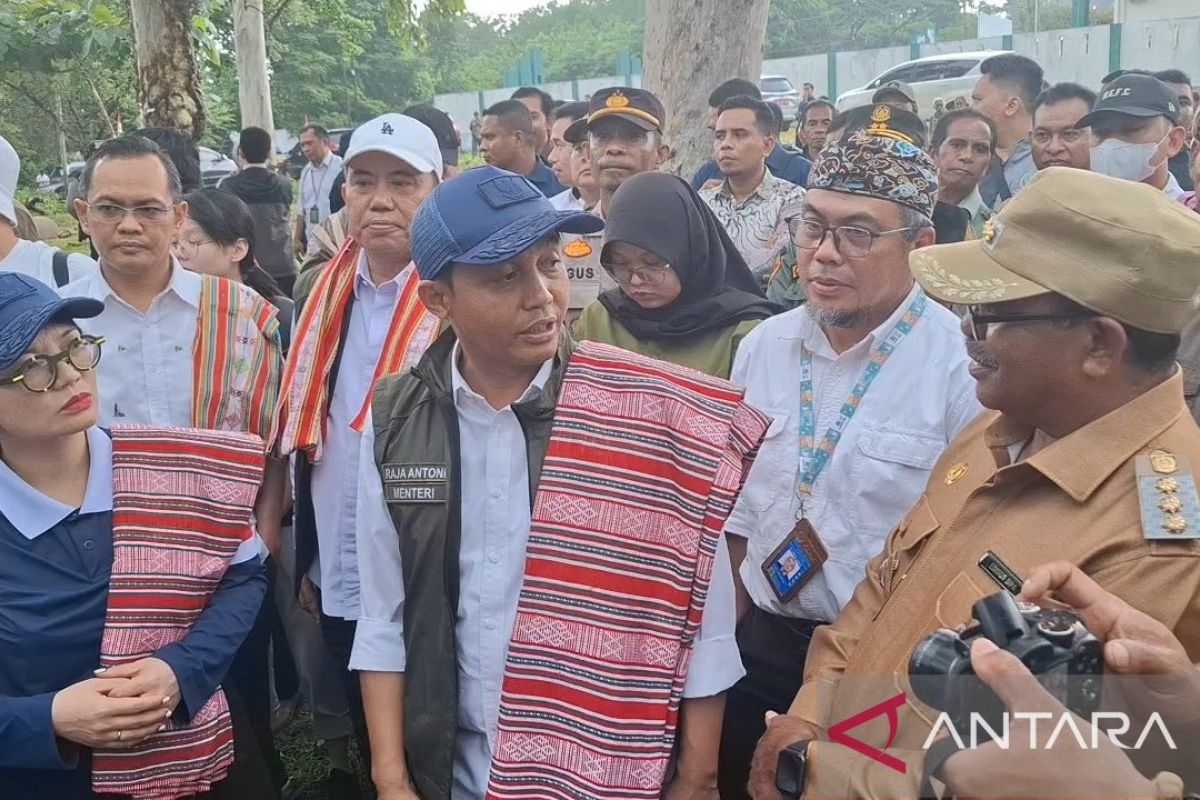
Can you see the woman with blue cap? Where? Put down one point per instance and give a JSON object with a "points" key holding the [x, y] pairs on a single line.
{"points": [[129, 576], [547, 602]]}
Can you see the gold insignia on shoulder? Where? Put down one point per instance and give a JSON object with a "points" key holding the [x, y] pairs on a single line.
{"points": [[1163, 462], [989, 230], [1175, 523], [1170, 504], [881, 114], [1167, 485], [616, 100], [1167, 494], [954, 473]]}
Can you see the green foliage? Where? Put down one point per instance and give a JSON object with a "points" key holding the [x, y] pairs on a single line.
{"points": [[803, 27]]}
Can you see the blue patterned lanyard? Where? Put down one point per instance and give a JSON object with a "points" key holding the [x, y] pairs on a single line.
{"points": [[813, 455]]}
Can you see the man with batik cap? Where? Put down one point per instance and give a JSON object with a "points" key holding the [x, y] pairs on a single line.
{"points": [[1088, 457], [547, 599], [624, 130], [882, 381]]}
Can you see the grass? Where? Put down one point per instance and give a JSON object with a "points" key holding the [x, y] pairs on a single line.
{"points": [[305, 760]]}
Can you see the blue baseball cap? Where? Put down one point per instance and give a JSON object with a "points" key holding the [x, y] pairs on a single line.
{"points": [[487, 216], [26, 306]]}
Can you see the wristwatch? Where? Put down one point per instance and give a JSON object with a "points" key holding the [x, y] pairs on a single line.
{"points": [[792, 770]]}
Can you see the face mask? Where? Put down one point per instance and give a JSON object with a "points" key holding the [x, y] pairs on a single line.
{"points": [[1131, 162]]}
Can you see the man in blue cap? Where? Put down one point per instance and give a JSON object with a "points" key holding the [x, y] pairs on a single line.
{"points": [[507, 566]]}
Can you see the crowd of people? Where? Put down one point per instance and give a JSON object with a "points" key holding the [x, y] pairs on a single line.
{"points": [[381, 450]]}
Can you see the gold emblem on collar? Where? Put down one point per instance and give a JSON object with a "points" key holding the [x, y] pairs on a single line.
{"points": [[1167, 485], [1175, 523], [955, 473], [1170, 504], [989, 231], [1163, 462], [616, 100]]}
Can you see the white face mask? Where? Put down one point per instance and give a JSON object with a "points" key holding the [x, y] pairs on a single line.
{"points": [[1131, 162]]}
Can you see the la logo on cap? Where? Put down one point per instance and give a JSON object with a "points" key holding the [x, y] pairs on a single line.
{"points": [[387, 129], [616, 100]]}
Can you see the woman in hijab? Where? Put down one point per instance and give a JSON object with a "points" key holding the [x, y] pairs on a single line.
{"points": [[685, 294]]}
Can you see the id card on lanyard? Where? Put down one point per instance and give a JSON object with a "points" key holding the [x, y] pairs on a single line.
{"points": [[800, 555]]}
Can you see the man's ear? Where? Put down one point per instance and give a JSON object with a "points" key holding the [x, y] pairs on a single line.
{"points": [[1176, 139], [665, 153], [81, 215], [1013, 106], [436, 297], [1109, 345]]}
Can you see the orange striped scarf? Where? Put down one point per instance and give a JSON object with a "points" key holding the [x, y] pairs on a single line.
{"points": [[304, 403], [236, 361]]}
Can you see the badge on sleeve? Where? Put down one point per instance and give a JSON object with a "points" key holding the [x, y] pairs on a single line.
{"points": [[1168, 497], [795, 562]]}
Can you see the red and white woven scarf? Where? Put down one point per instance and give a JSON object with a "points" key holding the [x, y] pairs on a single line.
{"points": [[181, 506], [644, 463]]}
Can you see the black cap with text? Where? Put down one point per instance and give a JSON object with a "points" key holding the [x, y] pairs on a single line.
{"points": [[1135, 96]]}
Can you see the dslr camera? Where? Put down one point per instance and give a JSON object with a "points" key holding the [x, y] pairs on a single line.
{"points": [[1053, 643]]}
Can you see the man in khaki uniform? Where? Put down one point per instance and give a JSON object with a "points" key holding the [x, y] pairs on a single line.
{"points": [[1089, 457]]}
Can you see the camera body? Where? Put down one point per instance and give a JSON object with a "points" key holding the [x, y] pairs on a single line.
{"points": [[1053, 643]]}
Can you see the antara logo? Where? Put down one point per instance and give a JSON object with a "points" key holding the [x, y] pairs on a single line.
{"points": [[1103, 725]]}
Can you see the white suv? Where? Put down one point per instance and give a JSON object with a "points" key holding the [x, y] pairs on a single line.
{"points": [[946, 76]]}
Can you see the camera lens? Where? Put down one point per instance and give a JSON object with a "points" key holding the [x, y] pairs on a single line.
{"points": [[934, 660]]}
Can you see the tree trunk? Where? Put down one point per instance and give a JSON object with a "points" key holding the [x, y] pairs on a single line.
{"points": [[254, 87], [692, 46], [168, 75]]}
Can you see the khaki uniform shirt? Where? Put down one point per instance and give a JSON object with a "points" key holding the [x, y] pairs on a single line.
{"points": [[1076, 499]]}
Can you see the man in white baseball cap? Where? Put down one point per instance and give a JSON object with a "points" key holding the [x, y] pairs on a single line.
{"points": [[361, 311], [35, 258]]}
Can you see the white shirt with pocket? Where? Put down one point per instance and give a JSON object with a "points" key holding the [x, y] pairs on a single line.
{"points": [[920, 400]]}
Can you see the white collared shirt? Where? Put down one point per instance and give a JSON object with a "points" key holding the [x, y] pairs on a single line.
{"points": [[316, 181], [495, 530], [145, 374], [1173, 190], [567, 200], [33, 513], [920, 400], [335, 477]]}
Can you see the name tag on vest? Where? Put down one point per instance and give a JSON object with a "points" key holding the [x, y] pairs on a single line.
{"points": [[415, 483]]}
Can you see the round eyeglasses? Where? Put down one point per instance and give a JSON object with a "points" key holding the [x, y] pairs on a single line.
{"points": [[40, 373]]}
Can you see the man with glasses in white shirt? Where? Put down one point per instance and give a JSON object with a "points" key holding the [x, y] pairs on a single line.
{"points": [[866, 384]]}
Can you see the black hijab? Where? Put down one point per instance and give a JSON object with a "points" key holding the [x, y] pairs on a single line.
{"points": [[661, 213]]}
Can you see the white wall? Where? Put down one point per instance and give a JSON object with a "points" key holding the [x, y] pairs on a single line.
{"points": [[1142, 10], [857, 69], [813, 69], [1162, 44], [1079, 55]]}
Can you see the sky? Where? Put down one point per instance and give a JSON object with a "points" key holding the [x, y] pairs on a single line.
{"points": [[487, 8]]}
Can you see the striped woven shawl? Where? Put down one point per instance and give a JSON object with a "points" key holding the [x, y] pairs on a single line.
{"points": [[236, 360], [644, 463], [304, 407], [181, 506]]}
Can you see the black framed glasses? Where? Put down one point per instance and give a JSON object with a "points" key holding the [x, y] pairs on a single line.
{"points": [[850, 240], [652, 275], [40, 373], [979, 322]]}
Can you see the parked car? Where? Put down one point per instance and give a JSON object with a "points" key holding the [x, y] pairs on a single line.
{"points": [[58, 184], [296, 160], [214, 166], [947, 76], [778, 89]]}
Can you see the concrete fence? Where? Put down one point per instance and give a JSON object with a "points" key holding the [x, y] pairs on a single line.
{"points": [[1082, 55]]}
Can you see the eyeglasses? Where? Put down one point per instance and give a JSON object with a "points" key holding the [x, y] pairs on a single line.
{"points": [[651, 275], [110, 213], [187, 249], [979, 323], [850, 241], [40, 373]]}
